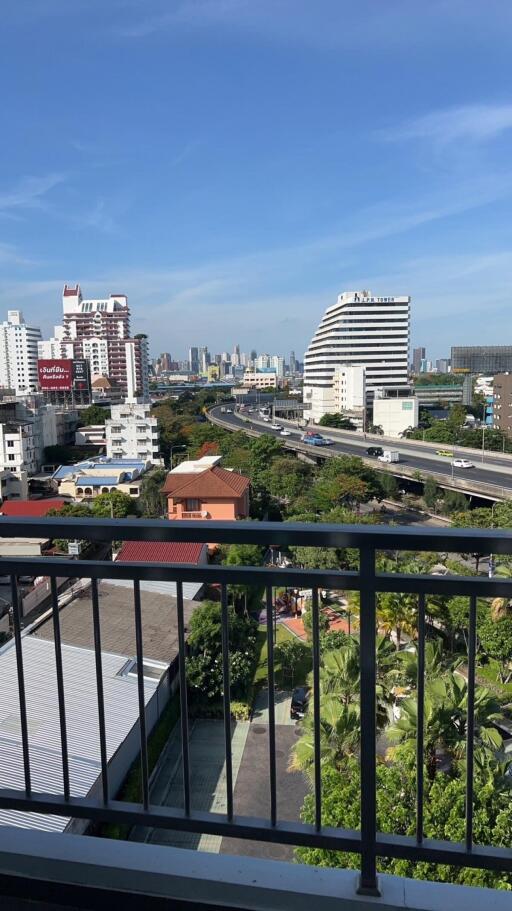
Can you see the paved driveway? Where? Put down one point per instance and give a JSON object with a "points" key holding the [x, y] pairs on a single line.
{"points": [[282, 704], [250, 780]]}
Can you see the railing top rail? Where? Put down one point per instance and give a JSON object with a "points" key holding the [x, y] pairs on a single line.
{"points": [[371, 537]]}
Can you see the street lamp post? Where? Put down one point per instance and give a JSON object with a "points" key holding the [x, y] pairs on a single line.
{"points": [[182, 446], [483, 442]]}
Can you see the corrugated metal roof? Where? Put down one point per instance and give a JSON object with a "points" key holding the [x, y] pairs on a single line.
{"points": [[121, 711], [160, 552]]}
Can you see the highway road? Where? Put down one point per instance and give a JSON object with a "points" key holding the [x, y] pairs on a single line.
{"points": [[496, 470]]}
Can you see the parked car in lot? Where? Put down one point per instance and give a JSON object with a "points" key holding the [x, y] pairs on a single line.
{"points": [[300, 702], [375, 451], [462, 463]]}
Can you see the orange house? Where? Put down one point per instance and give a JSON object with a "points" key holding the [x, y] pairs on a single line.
{"points": [[211, 494]]}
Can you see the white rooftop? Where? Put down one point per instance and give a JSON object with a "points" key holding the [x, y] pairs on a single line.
{"points": [[195, 466], [121, 713]]}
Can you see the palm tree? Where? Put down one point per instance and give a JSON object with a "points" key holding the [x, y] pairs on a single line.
{"points": [[397, 613], [340, 728], [445, 721]]}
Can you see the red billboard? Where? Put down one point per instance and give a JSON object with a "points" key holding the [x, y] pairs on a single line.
{"points": [[55, 375]]}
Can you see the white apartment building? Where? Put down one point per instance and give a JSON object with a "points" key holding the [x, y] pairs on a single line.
{"points": [[345, 395], [18, 353], [132, 433], [364, 330], [19, 447], [395, 414], [55, 347], [95, 350]]}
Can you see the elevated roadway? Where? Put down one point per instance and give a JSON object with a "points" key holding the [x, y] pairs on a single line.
{"points": [[490, 479]]}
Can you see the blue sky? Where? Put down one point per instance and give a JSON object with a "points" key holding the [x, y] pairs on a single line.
{"points": [[232, 165]]}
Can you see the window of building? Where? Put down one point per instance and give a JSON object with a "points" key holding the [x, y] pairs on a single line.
{"points": [[11, 458], [10, 443], [192, 505]]}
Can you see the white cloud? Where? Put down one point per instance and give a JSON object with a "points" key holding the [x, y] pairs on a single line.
{"points": [[471, 123], [29, 192]]}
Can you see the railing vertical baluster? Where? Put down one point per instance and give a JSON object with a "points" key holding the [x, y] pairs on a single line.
{"points": [[368, 879], [420, 732], [140, 690], [271, 706], [470, 744], [60, 686], [21, 683], [316, 709], [99, 688], [227, 700], [185, 757]]}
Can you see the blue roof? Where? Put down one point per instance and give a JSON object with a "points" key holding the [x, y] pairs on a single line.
{"points": [[87, 480], [102, 462]]}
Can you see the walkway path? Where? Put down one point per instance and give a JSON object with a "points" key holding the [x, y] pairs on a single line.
{"points": [[207, 781]]}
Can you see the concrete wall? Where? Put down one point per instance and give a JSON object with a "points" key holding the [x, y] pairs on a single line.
{"points": [[395, 415]]}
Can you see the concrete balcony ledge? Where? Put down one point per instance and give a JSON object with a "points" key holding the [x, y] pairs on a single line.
{"points": [[161, 873]]}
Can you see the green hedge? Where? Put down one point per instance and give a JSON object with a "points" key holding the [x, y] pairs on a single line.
{"points": [[131, 790]]}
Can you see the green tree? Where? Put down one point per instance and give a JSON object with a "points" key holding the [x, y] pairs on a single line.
{"points": [[496, 640], [397, 612], [291, 654], [288, 478], [323, 622], [454, 501], [389, 486], [116, 505], [152, 501], [444, 818], [430, 492], [94, 414], [337, 420], [446, 712]]}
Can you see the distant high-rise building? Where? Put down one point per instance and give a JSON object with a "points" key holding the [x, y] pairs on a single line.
{"points": [[485, 359], [277, 363], [193, 360], [364, 330], [18, 353], [165, 361], [204, 360], [293, 363], [443, 364], [418, 355], [98, 331], [254, 354]]}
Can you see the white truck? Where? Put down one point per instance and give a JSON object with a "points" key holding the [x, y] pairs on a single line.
{"points": [[389, 455]]}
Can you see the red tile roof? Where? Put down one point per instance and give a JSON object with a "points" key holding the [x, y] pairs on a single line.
{"points": [[160, 552], [214, 482], [31, 508]]}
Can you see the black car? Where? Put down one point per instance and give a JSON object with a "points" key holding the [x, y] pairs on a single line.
{"points": [[300, 701], [375, 451]]}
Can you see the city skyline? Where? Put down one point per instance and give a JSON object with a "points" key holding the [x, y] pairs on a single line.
{"points": [[285, 170]]}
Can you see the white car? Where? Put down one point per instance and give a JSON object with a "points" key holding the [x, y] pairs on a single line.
{"points": [[462, 463], [267, 420], [285, 433], [276, 427]]}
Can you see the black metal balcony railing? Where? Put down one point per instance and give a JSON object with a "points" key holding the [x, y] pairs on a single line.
{"points": [[367, 842]]}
